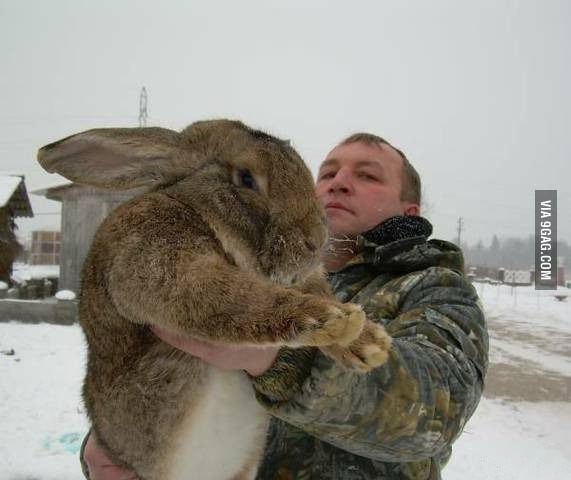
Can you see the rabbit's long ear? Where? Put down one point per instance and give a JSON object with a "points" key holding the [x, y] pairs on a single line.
{"points": [[118, 158]]}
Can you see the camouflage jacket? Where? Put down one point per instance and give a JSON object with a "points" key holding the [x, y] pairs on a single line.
{"points": [[398, 421]]}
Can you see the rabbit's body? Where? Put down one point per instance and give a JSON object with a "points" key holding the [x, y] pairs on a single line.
{"points": [[195, 418], [225, 248]]}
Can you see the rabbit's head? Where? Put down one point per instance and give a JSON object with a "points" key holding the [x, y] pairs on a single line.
{"points": [[253, 189]]}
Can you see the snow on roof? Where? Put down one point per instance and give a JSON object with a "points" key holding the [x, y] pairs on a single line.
{"points": [[8, 185], [12, 189]]}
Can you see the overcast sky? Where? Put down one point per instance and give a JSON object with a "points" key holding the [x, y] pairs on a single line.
{"points": [[475, 93]]}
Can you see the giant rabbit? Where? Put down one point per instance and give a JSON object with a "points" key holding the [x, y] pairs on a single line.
{"points": [[224, 246]]}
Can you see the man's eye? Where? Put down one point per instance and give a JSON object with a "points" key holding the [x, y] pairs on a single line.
{"points": [[368, 176], [245, 179], [326, 175]]}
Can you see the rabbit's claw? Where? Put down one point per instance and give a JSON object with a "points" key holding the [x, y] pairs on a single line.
{"points": [[333, 324], [367, 352]]}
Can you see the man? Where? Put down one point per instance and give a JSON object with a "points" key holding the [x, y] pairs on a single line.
{"points": [[398, 421]]}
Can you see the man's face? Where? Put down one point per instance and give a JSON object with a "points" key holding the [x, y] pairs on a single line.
{"points": [[359, 186]]}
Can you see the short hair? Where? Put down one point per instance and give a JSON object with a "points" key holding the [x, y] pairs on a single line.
{"points": [[411, 184]]}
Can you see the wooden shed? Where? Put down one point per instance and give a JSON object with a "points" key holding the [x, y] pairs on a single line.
{"points": [[14, 202], [83, 210]]}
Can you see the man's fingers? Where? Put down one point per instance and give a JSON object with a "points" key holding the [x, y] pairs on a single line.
{"points": [[111, 472], [171, 338], [255, 360], [195, 347], [100, 466]]}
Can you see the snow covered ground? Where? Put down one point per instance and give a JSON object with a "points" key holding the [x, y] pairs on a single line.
{"points": [[519, 431], [41, 415]]}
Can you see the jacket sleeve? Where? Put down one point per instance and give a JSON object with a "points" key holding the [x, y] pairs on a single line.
{"points": [[416, 404]]}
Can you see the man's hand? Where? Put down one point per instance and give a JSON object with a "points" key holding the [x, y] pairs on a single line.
{"points": [[100, 465], [255, 360]]}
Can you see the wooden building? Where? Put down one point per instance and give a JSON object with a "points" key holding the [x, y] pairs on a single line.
{"points": [[45, 249], [83, 210], [14, 202]]}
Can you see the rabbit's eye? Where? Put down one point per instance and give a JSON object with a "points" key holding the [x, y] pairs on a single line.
{"points": [[245, 179]]}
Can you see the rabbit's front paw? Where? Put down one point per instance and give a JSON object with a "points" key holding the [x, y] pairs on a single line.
{"points": [[325, 323], [369, 351]]}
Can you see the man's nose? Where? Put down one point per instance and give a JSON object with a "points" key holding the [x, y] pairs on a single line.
{"points": [[341, 181]]}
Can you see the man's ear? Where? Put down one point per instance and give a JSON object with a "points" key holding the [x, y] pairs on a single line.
{"points": [[116, 158], [412, 209]]}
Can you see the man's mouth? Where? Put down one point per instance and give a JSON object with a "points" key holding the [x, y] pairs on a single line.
{"points": [[338, 206]]}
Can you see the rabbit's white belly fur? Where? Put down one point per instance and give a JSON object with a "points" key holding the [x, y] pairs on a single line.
{"points": [[222, 432]]}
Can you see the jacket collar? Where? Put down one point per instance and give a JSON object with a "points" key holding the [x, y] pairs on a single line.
{"points": [[397, 228], [400, 244]]}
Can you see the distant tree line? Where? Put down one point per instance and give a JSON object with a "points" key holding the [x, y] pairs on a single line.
{"points": [[510, 253]]}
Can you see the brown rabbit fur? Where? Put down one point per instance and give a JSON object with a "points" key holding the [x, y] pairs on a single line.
{"points": [[225, 246]]}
